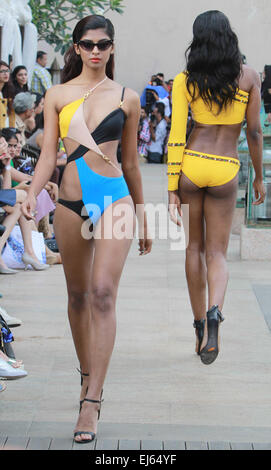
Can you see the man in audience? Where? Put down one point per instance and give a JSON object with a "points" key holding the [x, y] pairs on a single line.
{"points": [[23, 105], [41, 78], [158, 128]]}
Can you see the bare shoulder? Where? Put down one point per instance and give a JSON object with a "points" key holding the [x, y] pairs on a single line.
{"points": [[251, 77], [131, 101], [53, 93]]}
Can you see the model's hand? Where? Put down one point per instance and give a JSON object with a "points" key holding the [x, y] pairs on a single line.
{"points": [[145, 242], [259, 191], [52, 189], [29, 207], [174, 203]]}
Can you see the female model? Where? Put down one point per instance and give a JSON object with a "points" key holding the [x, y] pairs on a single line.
{"points": [[92, 113], [204, 171]]}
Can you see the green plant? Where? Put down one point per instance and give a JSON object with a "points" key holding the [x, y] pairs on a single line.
{"points": [[53, 17]]}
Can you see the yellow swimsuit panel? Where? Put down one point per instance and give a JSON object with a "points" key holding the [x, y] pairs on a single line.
{"points": [[66, 115], [181, 99]]}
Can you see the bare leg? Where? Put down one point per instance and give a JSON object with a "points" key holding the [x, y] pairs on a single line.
{"points": [[195, 253], [108, 262], [26, 227], [9, 223], [219, 205], [76, 254]]}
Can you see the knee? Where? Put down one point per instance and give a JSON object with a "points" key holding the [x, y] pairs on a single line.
{"points": [[21, 195], [79, 300], [102, 299], [195, 249], [213, 254]]}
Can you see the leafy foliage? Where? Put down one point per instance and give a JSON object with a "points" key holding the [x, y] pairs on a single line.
{"points": [[53, 17]]}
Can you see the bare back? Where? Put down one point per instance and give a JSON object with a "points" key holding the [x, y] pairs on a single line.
{"points": [[223, 139]]}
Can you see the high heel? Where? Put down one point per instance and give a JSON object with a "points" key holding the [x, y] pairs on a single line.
{"points": [[199, 326], [90, 433], [4, 270], [82, 375], [210, 352], [28, 260]]}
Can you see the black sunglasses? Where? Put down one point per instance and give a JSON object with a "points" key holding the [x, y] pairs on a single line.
{"points": [[102, 45]]}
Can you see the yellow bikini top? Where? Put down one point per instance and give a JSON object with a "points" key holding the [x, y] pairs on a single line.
{"points": [[181, 100]]}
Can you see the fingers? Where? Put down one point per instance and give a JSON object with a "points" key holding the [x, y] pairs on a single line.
{"points": [[259, 201], [172, 213], [28, 212], [145, 247]]}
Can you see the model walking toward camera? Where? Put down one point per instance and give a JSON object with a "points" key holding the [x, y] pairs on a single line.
{"points": [[204, 171], [93, 113]]}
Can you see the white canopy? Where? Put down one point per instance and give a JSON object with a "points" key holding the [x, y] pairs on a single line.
{"points": [[13, 14]]}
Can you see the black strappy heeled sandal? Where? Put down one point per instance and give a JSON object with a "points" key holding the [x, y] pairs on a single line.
{"points": [[82, 375], [91, 434], [85, 375], [210, 352], [199, 326]]}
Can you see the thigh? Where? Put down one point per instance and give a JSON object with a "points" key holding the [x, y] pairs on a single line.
{"points": [[219, 206], [113, 244], [193, 196], [76, 251]]}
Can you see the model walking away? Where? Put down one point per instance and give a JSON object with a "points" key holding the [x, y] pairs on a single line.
{"points": [[203, 172], [92, 113]]}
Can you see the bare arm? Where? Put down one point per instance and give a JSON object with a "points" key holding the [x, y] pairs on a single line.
{"points": [[130, 167], [254, 128], [47, 160], [255, 138]]}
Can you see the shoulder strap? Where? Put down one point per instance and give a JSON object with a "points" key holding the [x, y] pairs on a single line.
{"points": [[122, 96]]}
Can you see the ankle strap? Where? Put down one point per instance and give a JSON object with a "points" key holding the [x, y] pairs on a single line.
{"points": [[82, 373], [214, 313], [93, 401]]}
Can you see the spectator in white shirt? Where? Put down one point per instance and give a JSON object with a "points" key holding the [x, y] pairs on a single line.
{"points": [[158, 135]]}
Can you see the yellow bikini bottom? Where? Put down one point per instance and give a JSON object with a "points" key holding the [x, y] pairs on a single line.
{"points": [[204, 169]]}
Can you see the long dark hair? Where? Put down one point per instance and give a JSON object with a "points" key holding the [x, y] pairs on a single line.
{"points": [[8, 89], [73, 63], [214, 61], [17, 87]]}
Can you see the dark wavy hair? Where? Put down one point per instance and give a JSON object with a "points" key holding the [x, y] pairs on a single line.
{"points": [[73, 63], [17, 87], [8, 90], [214, 61]]}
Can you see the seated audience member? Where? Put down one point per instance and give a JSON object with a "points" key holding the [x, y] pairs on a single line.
{"points": [[20, 78], [12, 207], [7, 93], [23, 105], [46, 198]]}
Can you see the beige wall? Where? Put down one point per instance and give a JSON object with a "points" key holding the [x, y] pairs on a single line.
{"points": [[152, 35]]}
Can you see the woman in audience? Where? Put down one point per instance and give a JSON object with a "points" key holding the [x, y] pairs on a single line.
{"points": [[11, 200], [7, 93], [47, 197], [19, 78]]}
